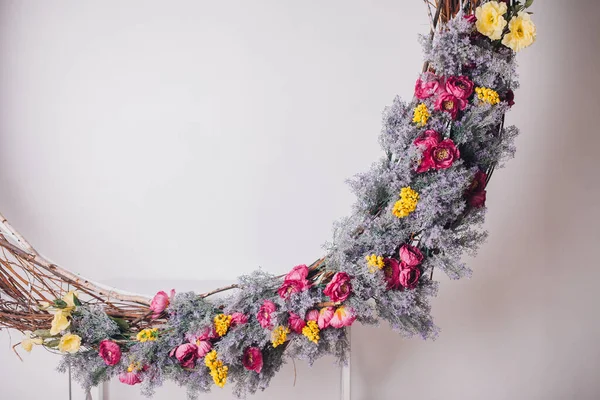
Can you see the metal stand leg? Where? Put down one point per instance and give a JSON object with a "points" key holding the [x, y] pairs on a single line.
{"points": [[345, 372]]}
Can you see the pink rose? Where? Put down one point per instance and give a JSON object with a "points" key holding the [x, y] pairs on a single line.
{"points": [[187, 354], [409, 276], [298, 273], [296, 323], [410, 255], [253, 359], [459, 86], [343, 316], [391, 273], [130, 378], [312, 315], [160, 302], [449, 103], [110, 352], [238, 318], [476, 192], [294, 282], [444, 154], [427, 85], [264, 314], [204, 347], [339, 288], [427, 142], [325, 316]]}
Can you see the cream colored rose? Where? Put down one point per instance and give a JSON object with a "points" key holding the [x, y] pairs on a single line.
{"points": [[69, 343], [521, 32], [490, 20], [60, 322]]}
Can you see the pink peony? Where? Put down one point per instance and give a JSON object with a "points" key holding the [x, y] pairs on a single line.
{"points": [[238, 318], [343, 316], [476, 193], [339, 288], [294, 282], [444, 154], [427, 87], [160, 302], [437, 153], [110, 352], [312, 315], [409, 276], [410, 255], [264, 314], [296, 323], [450, 103], [204, 347], [391, 273], [130, 378], [325, 316], [253, 359], [298, 273], [460, 86], [186, 354]]}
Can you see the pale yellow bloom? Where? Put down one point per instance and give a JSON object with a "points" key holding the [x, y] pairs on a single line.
{"points": [[69, 343], [490, 20], [28, 342], [60, 322], [521, 32], [69, 298]]}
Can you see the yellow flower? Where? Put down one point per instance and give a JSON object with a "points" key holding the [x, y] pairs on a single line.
{"points": [[487, 95], [375, 262], [134, 367], [60, 322], [28, 342], [279, 335], [69, 343], [146, 335], [421, 114], [69, 298], [222, 323], [218, 371], [490, 21], [407, 203], [210, 359], [521, 32], [311, 331]]}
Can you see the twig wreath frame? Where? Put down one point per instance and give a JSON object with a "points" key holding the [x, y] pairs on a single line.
{"points": [[418, 209]]}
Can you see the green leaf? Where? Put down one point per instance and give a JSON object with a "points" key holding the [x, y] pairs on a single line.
{"points": [[528, 3], [43, 333], [122, 324], [58, 303], [52, 343], [76, 301]]}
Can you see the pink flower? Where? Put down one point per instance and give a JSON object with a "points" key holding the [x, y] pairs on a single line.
{"points": [[339, 288], [294, 282], [325, 316], [427, 87], [296, 323], [264, 314], [471, 18], [130, 378], [437, 153], [450, 103], [160, 302], [444, 154], [110, 352], [410, 255], [238, 318], [476, 193], [312, 315], [186, 354], [391, 273], [409, 276], [253, 359], [204, 346], [460, 86], [343, 316]]}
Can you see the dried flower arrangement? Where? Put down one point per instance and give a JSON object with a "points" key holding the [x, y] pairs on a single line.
{"points": [[419, 208]]}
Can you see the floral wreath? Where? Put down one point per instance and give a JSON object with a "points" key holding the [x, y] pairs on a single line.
{"points": [[419, 208]]}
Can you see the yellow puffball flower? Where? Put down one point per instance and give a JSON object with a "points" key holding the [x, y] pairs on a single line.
{"points": [[222, 322], [421, 114], [311, 331], [69, 343], [147, 335], [218, 371], [487, 95], [521, 32], [28, 342], [490, 20], [375, 262], [210, 359], [60, 322], [279, 335], [407, 203]]}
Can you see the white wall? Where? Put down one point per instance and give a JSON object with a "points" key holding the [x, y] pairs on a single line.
{"points": [[185, 140]]}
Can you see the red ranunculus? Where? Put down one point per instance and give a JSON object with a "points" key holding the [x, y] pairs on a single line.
{"points": [[110, 352], [391, 273], [253, 359], [409, 276], [410, 255], [449, 103], [460, 86], [339, 288], [296, 323], [476, 192]]}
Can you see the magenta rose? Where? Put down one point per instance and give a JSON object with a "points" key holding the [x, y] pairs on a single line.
{"points": [[459, 86], [312, 315], [130, 378], [294, 282], [391, 273], [160, 302], [110, 352], [476, 192], [444, 154], [409, 276], [253, 359], [238, 318], [264, 314], [410, 255], [296, 323], [325, 316], [449, 103], [427, 85], [339, 288], [427, 142]]}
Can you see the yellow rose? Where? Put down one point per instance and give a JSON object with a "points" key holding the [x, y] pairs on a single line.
{"points": [[69, 298], [69, 343], [28, 342], [60, 322], [522, 32], [490, 21]]}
